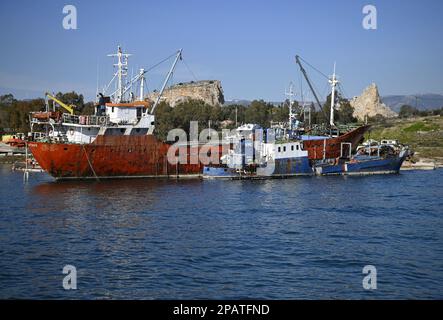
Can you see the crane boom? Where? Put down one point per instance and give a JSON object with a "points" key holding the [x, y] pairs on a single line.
{"points": [[177, 57], [70, 108], [303, 71]]}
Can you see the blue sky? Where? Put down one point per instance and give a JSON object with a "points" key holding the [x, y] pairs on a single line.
{"points": [[248, 45]]}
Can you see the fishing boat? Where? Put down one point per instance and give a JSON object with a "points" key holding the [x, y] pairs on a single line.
{"points": [[285, 150], [255, 155], [118, 141], [375, 158], [256, 158]]}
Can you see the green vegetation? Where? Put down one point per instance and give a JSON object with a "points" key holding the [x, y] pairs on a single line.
{"points": [[216, 117], [423, 134], [407, 111], [14, 113], [421, 126]]}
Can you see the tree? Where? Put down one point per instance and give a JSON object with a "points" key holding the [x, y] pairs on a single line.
{"points": [[18, 114], [378, 118], [407, 111], [234, 112], [344, 113], [259, 112], [6, 100], [72, 98], [5, 103], [163, 120]]}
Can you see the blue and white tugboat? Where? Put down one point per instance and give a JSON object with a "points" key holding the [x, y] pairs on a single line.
{"points": [[255, 154]]}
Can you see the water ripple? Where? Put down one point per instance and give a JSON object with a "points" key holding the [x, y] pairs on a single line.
{"points": [[282, 239]]}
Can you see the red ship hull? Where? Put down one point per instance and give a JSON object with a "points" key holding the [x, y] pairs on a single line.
{"points": [[113, 157], [318, 149]]}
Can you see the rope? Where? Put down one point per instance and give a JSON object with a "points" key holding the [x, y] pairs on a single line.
{"points": [[314, 68], [89, 162], [159, 63], [189, 69]]}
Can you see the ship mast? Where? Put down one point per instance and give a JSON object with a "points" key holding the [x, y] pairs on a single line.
{"points": [[142, 83], [121, 73], [333, 81], [290, 94]]}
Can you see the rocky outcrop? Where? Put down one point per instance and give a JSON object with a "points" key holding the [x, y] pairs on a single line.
{"points": [[209, 91], [369, 104]]}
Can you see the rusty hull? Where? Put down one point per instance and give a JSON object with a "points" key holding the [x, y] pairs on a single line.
{"points": [[114, 156], [316, 148]]}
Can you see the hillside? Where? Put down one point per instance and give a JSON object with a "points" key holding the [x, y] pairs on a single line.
{"points": [[421, 101], [423, 134]]}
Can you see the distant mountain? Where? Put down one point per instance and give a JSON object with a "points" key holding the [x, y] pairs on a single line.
{"points": [[427, 101], [237, 101], [246, 103]]}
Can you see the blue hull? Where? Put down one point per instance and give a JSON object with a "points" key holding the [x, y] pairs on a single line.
{"points": [[220, 172], [291, 167], [361, 166], [283, 168]]}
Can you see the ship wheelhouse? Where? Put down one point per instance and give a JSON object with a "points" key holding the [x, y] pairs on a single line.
{"points": [[126, 113]]}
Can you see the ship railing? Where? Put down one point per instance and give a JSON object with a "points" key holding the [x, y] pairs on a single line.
{"points": [[322, 129], [87, 120], [39, 136]]}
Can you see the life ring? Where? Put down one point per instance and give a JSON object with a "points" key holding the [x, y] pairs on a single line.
{"points": [[102, 120]]}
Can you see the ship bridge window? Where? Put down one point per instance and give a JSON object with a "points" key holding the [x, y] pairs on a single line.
{"points": [[112, 110], [298, 147], [284, 149], [292, 148], [279, 149]]}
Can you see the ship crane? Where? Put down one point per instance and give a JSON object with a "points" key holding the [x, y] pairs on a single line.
{"points": [[69, 108], [165, 83], [303, 71]]}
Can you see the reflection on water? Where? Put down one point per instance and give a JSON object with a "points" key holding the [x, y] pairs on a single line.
{"points": [[295, 238]]}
